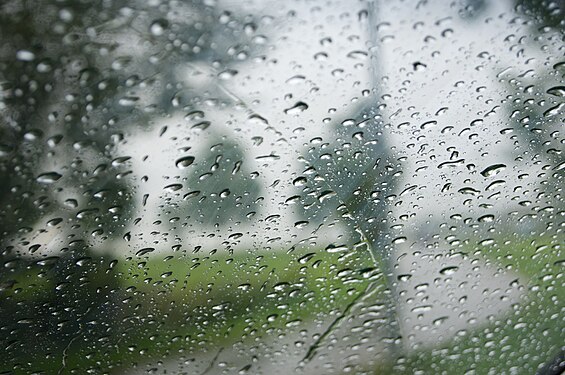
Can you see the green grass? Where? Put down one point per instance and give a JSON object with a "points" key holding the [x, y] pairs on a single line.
{"points": [[138, 311], [177, 304], [529, 335]]}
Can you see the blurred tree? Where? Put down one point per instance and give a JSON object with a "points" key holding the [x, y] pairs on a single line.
{"points": [[76, 78]]}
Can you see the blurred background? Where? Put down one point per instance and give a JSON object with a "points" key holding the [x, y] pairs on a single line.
{"points": [[262, 187]]}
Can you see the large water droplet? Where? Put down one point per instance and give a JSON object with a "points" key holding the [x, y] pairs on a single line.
{"points": [[296, 109], [557, 91], [448, 270], [184, 162], [158, 27], [554, 111], [24, 55], [493, 170], [48, 178], [144, 251]]}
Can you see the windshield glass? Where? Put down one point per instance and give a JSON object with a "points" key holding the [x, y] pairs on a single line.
{"points": [[270, 187]]}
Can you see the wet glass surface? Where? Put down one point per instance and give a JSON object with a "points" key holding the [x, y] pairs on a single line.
{"points": [[264, 187]]}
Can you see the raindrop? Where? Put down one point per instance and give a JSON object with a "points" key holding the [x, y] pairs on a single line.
{"points": [[554, 111], [404, 277], [158, 27], [358, 55], [296, 108], [486, 242], [301, 224], [399, 240], [25, 55], [203, 125], [49, 261], [331, 248], [227, 74], [495, 184], [71, 203], [448, 270], [54, 222], [173, 187], [486, 219], [451, 163], [119, 161], [184, 162], [145, 251], [418, 66], [299, 181], [326, 195], [493, 170], [295, 80], [83, 261], [440, 320], [469, 190], [268, 157], [48, 178], [128, 101], [305, 258], [257, 119], [191, 194], [428, 125], [557, 91]]}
